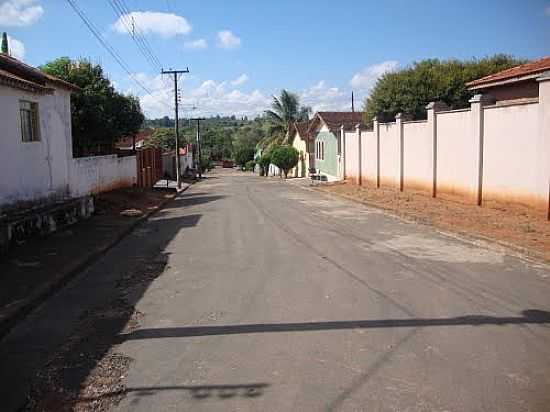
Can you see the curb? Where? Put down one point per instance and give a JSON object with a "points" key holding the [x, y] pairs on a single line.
{"points": [[22, 309], [518, 251]]}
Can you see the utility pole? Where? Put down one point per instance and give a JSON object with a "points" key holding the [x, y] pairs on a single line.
{"points": [[199, 166], [176, 126]]}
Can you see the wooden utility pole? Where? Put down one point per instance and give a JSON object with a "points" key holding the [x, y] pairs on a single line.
{"points": [[176, 126], [199, 166]]}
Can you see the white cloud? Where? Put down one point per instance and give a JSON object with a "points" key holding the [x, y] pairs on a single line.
{"points": [[210, 97], [196, 44], [366, 79], [227, 40], [243, 78], [163, 24], [16, 48], [321, 97], [19, 13]]}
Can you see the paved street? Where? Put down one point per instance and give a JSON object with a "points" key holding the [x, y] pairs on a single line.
{"points": [[273, 297]]}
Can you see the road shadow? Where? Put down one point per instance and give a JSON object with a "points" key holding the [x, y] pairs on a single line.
{"points": [[192, 200], [64, 353], [527, 317], [199, 392]]}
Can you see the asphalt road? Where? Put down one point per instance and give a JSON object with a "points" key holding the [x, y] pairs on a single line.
{"points": [[284, 299], [273, 297]]}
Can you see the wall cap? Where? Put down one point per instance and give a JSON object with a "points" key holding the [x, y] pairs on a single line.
{"points": [[403, 116], [482, 98], [437, 106]]}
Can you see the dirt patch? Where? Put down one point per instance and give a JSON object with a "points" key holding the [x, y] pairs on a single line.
{"points": [[129, 202], [516, 224]]}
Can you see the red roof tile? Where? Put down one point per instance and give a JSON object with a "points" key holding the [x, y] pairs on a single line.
{"points": [[31, 74], [533, 67], [334, 120]]}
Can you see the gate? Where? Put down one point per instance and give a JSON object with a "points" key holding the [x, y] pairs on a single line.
{"points": [[149, 167]]}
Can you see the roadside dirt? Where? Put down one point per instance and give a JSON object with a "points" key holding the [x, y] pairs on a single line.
{"points": [[129, 201], [515, 224]]}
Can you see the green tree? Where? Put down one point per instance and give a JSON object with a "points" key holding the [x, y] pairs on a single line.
{"points": [[244, 154], [411, 89], [100, 115], [163, 138], [285, 157], [264, 161]]}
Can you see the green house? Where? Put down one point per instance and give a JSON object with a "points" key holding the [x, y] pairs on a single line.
{"points": [[325, 129]]}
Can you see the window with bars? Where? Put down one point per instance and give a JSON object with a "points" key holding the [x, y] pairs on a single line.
{"points": [[320, 150], [29, 121]]}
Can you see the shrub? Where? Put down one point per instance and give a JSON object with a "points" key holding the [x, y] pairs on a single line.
{"points": [[285, 158]]}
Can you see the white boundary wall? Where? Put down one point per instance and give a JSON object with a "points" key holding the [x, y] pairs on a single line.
{"points": [[486, 152], [91, 175]]}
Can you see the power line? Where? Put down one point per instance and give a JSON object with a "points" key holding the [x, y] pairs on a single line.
{"points": [[136, 33], [106, 44], [130, 27]]}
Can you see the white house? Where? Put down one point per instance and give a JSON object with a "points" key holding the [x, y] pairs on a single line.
{"points": [[36, 155], [35, 116]]}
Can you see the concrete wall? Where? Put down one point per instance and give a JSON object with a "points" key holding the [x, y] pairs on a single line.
{"points": [[511, 138], [351, 149], [369, 157], [490, 151], [389, 154], [457, 154], [90, 175], [33, 170], [417, 156]]}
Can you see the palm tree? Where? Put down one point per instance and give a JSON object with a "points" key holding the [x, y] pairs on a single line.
{"points": [[285, 110]]}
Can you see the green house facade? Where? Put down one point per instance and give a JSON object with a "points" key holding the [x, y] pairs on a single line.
{"points": [[326, 153], [326, 131]]}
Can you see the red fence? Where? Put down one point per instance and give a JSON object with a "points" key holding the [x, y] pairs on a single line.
{"points": [[149, 167]]}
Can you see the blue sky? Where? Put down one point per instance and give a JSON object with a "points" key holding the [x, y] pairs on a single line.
{"points": [[241, 52]]}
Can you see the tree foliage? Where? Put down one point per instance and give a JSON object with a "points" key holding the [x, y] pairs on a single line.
{"points": [[411, 89], [100, 115], [285, 157], [286, 109]]}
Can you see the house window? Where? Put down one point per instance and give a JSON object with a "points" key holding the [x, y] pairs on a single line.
{"points": [[29, 121], [320, 150]]}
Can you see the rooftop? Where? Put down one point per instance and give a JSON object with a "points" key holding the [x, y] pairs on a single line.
{"points": [[15, 73], [516, 73]]}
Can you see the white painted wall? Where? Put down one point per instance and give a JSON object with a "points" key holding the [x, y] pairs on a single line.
{"points": [[369, 156], [91, 175], [515, 144], [45, 169], [457, 154], [512, 167], [417, 153], [32, 170], [389, 154]]}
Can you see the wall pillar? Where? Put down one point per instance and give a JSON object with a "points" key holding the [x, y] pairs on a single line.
{"points": [[359, 154], [477, 102], [399, 119], [544, 130], [343, 151], [432, 108], [376, 129]]}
